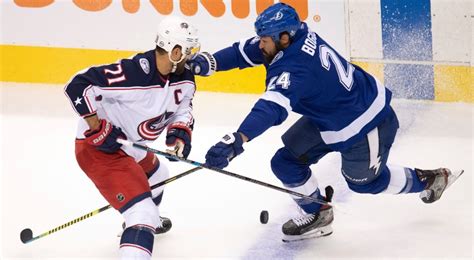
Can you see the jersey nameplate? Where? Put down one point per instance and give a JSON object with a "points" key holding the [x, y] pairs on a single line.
{"points": [[309, 45]]}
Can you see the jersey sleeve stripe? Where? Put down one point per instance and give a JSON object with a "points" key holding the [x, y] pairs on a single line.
{"points": [[244, 55], [89, 104], [332, 137], [184, 82], [278, 98], [130, 88]]}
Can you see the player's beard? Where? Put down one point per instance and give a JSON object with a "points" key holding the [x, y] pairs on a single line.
{"points": [[268, 57]]}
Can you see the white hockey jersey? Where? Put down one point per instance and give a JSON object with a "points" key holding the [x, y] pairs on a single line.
{"points": [[132, 95]]}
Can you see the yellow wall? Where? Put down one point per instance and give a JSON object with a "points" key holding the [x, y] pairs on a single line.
{"points": [[50, 65], [454, 83], [57, 65], [32, 64], [376, 69]]}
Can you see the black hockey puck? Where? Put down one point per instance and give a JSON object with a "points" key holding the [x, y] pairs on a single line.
{"points": [[26, 235], [264, 217]]}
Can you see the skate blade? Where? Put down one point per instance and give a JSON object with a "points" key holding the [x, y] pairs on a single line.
{"points": [[319, 232], [453, 177]]}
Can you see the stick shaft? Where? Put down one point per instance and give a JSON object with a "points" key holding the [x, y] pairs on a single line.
{"points": [[72, 222], [104, 208], [198, 164]]}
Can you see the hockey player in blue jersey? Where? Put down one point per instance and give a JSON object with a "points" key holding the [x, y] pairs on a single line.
{"points": [[343, 108]]}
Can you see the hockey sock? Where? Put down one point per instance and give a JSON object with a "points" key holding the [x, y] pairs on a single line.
{"points": [[310, 206], [137, 242], [416, 184]]}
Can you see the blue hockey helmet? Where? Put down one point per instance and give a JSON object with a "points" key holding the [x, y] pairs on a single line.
{"points": [[276, 19]]}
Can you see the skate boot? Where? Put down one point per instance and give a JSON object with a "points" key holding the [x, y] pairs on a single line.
{"points": [[310, 225], [437, 181], [166, 225]]}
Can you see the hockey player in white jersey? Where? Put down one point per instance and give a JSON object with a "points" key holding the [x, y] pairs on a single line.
{"points": [[136, 99], [344, 109]]}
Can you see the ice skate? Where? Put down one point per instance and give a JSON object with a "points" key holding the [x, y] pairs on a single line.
{"points": [[310, 225], [166, 225], [437, 182]]}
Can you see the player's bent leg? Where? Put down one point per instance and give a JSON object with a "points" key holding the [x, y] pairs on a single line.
{"points": [[157, 172], [314, 220], [137, 239], [297, 177], [117, 176], [303, 146], [364, 165], [390, 179]]}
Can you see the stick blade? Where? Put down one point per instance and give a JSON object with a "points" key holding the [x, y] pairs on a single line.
{"points": [[26, 235]]}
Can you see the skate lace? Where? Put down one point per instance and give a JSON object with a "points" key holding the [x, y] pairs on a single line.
{"points": [[160, 225], [304, 219]]}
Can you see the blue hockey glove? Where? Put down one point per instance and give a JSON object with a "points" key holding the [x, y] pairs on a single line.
{"points": [[203, 64], [224, 151], [179, 137], [105, 138]]}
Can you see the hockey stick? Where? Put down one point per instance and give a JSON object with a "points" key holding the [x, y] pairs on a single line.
{"points": [[268, 185], [26, 234]]}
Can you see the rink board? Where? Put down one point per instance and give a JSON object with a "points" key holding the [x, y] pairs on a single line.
{"points": [[420, 49]]}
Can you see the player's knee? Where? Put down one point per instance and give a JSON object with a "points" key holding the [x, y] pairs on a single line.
{"points": [[143, 212], [368, 185], [288, 169], [281, 164], [161, 174]]}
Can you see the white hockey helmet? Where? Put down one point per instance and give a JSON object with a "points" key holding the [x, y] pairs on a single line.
{"points": [[174, 30]]}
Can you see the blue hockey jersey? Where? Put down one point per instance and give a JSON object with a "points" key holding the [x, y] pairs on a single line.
{"points": [[310, 78]]}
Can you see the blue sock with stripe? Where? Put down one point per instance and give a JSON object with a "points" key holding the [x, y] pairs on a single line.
{"points": [[137, 242]]}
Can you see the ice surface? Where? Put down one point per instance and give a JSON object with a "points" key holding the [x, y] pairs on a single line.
{"points": [[216, 216]]}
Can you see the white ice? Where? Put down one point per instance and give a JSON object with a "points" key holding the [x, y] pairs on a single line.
{"points": [[216, 216]]}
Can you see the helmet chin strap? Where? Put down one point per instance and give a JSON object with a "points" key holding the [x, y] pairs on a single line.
{"points": [[175, 63]]}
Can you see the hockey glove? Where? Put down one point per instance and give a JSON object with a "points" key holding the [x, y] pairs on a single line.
{"points": [[179, 136], [105, 138], [224, 151], [203, 64]]}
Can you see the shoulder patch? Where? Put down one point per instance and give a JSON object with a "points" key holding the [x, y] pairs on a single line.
{"points": [[145, 65]]}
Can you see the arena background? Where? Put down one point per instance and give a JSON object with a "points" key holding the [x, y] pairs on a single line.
{"points": [[421, 49]]}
